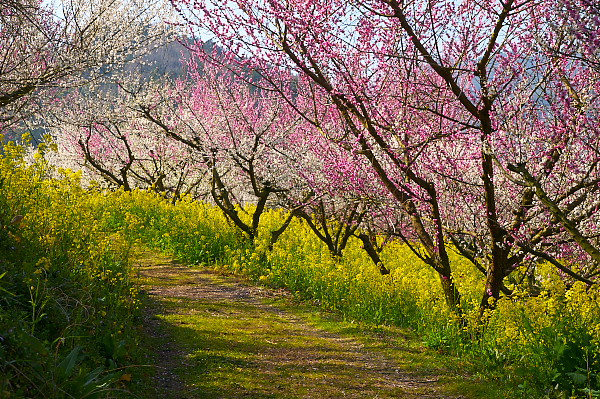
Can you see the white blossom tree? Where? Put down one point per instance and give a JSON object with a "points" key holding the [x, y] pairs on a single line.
{"points": [[68, 43]]}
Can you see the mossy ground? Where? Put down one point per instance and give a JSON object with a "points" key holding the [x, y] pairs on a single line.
{"points": [[214, 336]]}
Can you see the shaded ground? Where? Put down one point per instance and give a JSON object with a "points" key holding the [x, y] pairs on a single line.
{"points": [[216, 337]]}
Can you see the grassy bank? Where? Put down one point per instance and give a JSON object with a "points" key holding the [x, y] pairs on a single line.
{"points": [[67, 306]]}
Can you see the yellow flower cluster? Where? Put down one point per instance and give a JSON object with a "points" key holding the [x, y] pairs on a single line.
{"points": [[53, 239]]}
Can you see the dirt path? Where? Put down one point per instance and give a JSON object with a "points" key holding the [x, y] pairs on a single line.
{"points": [[216, 337]]}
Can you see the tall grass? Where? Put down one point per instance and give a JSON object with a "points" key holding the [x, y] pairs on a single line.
{"points": [[67, 306]]}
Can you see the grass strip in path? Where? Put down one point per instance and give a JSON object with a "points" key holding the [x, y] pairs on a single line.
{"points": [[216, 337]]}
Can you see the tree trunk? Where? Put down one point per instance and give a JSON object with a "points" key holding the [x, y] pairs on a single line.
{"points": [[493, 285], [277, 233], [372, 252], [452, 296]]}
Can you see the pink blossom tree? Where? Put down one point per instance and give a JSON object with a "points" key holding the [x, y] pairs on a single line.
{"points": [[261, 153], [580, 31], [446, 101], [340, 192], [239, 134]]}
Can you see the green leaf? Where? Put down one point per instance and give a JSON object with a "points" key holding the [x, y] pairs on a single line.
{"points": [[578, 378], [592, 393], [65, 368], [93, 376]]}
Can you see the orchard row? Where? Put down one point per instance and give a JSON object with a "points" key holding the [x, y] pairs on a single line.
{"points": [[462, 127]]}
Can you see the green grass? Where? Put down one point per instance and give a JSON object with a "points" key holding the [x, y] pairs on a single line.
{"points": [[279, 347]]}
